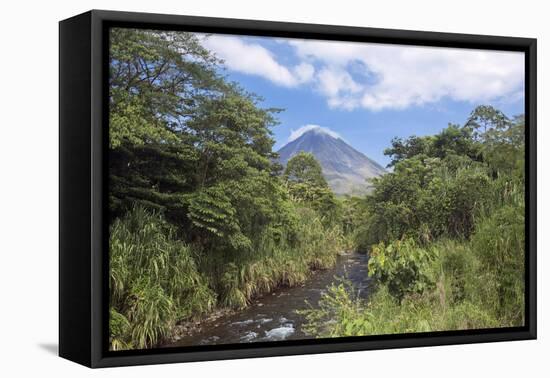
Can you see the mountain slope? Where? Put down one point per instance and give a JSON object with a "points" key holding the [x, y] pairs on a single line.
{"points": [[345, 169]]}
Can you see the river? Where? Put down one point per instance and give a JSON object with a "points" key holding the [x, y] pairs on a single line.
{"points": [[273, 317]]}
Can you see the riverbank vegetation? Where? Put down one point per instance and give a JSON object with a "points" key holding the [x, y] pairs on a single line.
{"points": [[446, 236], [202, 216]]}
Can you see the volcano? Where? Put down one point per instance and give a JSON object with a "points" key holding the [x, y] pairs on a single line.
{"points": [[346, 170]]}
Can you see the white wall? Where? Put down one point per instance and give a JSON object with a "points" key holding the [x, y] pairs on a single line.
{"points": [[28, 186]]}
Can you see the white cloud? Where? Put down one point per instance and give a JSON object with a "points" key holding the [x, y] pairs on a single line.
{"points": [[254, 59], [353, 75], [402, 76], [304, 72], [295, 134], [339, 87]]}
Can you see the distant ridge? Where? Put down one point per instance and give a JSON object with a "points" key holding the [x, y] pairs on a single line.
{"points": [[345, 169]]}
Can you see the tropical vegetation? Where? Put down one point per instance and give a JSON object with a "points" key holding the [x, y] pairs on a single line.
{"points": [[201, 213], [445, 233], [202, 216]]}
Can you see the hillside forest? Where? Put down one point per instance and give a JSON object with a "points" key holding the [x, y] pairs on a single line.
{"points": [[203, 218]]}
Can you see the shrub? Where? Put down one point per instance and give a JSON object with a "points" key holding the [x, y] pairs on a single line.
{"points": [[340, 313], [458, 292], [402, 266], [337, 313]]}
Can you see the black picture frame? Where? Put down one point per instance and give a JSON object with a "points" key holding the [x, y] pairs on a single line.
{"points": [[83, 231]]}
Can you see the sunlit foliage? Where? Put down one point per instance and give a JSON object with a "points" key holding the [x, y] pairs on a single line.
{"points": [[445, 231]]}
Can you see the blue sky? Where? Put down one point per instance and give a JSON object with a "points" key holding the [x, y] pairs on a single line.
{"points": [[369, 93]]}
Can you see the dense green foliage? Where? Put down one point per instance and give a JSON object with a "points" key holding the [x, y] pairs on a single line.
{"points": [[306, 185], [402, 266], [200, 215], [154, 280], [304, 169], [445, 233]]}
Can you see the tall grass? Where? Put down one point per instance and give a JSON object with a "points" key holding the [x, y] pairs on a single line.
{"points": [[154, 281], [341, 313], [157, 280], [499, 243], [278, 258], [479, 283]]}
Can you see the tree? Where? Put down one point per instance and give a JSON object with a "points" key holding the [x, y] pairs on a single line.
{"points": [[307, 185], [425, 198], [453, 140], [187, 143], [502, 139], [156, 81], [440, 182], [402, 149], [485, 119], [304, 168]]}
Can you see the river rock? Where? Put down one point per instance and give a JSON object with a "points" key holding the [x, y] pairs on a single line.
{"points": [[249, 336], [280, 333]]}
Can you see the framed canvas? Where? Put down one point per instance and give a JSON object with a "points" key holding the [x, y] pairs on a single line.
{"points": [[236, 188]]}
